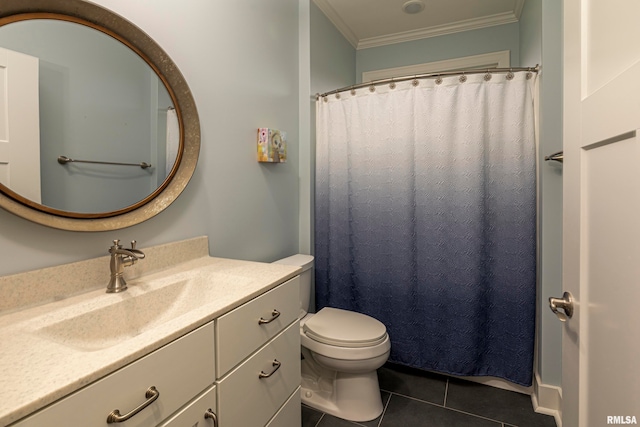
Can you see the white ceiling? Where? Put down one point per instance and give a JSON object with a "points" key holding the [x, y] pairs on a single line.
{"points": [[370, 23]]}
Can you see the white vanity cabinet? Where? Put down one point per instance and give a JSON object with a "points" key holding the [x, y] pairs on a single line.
{"points": [[258, 356], [179, 371], [241, 369]]}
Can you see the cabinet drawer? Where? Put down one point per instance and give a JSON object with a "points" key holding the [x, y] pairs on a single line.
{"points": [[246, 400], [180, 370], [240, 332], [194, 414], [290, 414]]}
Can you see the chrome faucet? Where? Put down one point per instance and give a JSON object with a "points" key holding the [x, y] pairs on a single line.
{"points": [[121, 258]]}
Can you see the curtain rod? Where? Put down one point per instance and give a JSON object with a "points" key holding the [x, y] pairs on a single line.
{"points": [[535, 69]]}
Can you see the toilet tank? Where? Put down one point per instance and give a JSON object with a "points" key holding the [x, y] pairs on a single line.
{"points": [[306, 262]]}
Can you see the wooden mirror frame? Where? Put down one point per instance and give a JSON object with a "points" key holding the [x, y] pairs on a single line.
{"points": [[108, 22]]}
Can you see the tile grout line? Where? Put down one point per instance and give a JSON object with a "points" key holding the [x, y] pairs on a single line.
{"points": [[450, 409], [384, 409], [446, 390]]}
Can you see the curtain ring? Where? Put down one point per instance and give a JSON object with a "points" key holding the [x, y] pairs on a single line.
{"points": [[337, 96], [487, 76], [415, 82], [529, 75], [462, 78], [372, 88], [439, 80], [324, 98], [510, 74], [353, 92], [392, 85]]}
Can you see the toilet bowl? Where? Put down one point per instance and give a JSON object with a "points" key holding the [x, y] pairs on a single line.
{"points": [[341, 352]]}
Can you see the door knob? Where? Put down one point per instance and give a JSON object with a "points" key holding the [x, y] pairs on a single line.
{"points": [[565, 303]]}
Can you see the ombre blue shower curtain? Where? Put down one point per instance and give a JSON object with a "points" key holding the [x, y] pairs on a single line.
{"points": [[426, 219]]}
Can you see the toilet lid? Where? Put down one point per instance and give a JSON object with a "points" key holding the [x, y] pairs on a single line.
{"points": [[344, 328]]}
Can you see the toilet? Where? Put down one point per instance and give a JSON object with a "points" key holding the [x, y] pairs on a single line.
{"points": [[341, 351]]}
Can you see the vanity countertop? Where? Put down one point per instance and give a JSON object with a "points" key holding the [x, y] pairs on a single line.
{"points": [[37, 370]]}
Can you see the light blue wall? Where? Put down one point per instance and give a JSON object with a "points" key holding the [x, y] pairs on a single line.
{"points": [[333, 59], [531, 33], [468, 43], [541, 36], [240, 59], [307, 155]]}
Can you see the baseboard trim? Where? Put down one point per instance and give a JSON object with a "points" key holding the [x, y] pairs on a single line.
{"points": [[547, 399]]}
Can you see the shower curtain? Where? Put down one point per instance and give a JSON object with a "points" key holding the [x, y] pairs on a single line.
{"points": [[426, 218]]}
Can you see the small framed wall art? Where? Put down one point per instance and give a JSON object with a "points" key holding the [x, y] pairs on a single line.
{"points": [[272, 145]]}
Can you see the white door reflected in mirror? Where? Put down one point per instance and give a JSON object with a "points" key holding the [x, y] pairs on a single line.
{"points": [[20, 124]]}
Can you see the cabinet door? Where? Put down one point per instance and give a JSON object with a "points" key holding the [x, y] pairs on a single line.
{"points": [[180, 370], [252, 393], [241, 331], [198, 413], [290, 414]]}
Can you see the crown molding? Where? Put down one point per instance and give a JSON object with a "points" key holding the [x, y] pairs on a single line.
{"points": [[337, 21], [456, 27], [517, 10]]}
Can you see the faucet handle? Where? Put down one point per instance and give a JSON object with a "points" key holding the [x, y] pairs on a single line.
{"points": [[137, 253]]}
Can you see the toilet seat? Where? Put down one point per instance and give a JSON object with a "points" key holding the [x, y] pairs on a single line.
{"points": [[342, 328]]}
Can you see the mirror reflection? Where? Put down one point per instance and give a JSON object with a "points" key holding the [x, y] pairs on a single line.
{"points": [[74, 91]]}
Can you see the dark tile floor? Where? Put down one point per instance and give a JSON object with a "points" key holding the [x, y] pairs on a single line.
{"points": [[414, 398]]}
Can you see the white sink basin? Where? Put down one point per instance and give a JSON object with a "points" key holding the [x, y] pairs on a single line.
{"points": [[111, 319]]}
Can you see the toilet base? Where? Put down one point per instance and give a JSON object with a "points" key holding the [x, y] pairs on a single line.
{"points": [[353, 397]]}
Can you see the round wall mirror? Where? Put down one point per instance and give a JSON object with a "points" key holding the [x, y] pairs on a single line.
{"points": [[98, 128]]}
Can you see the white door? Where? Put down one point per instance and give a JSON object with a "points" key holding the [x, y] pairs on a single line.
{"points": [[19, 124], [601, 252]]}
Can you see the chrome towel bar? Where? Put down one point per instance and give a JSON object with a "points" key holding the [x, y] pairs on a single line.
{"points": [[63, 160]]}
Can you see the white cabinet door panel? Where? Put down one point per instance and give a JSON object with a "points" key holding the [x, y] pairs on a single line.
{"points": [[245, 399]]}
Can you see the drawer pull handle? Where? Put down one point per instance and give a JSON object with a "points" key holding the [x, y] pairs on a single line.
{"points": [[114, 417], [277, 366], [274, 315], [211, 415]]}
